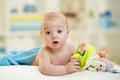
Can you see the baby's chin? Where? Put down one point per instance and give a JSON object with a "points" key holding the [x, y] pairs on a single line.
{"points": [[56, 47]]}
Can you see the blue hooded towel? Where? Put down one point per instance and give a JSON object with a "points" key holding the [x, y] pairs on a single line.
{"points": [[23, 57]]}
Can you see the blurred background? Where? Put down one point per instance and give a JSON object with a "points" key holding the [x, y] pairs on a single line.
{"points": [[96, 22]]}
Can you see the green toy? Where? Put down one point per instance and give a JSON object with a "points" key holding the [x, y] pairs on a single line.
{"points": [[86, 58]]}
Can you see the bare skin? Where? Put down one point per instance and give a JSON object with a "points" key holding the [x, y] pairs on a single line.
{"points": [[54, 57], [56, 63]]}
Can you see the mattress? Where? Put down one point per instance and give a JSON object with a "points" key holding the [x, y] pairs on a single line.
{"points": [[32, 73]]}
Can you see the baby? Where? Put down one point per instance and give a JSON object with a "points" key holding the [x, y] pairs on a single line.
{"points": [[54, 56]]}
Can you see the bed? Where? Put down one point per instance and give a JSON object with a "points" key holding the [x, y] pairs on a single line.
{"points": [[32, 73]]}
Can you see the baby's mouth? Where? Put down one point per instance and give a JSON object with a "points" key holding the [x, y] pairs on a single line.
{"points": [[55, 42]]}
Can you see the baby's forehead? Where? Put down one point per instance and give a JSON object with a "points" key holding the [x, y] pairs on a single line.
{"points": [[53, 26], [54, 22], [54, 19]]}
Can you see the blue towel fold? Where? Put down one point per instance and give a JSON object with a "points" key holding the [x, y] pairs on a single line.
{"points": [[23, 57]]}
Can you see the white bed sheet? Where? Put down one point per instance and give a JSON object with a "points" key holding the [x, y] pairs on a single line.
{"points": [[32, 73]]}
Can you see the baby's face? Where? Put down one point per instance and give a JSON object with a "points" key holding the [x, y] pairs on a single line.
{"points": [[55, 33]]}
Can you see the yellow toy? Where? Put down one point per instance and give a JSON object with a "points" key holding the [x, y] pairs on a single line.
{"points": [[85, 57]]}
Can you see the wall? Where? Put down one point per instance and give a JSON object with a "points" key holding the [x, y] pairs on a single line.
{"points": [[91, 34], [113, 6]]}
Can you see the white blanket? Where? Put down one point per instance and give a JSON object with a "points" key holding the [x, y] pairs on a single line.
{"points": [[32, 73]]}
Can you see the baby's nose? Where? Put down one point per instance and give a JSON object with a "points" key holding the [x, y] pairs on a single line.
{"points": [[55, 34]]}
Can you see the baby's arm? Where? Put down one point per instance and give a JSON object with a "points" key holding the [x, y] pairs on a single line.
{"points": [[47, 68]]}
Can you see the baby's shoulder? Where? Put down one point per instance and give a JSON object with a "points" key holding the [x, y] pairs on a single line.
{"points": [[70, 45], [44, 51]]}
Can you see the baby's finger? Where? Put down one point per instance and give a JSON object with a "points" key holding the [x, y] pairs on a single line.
{"points": [[75, 60], [76, 63], [76, 70], [77, 67]]}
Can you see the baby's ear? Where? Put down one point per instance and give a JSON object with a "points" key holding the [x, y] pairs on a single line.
{"points": [[68, 30], [41, 33]]}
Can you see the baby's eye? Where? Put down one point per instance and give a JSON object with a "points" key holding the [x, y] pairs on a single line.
{"points": [[59, 31], [48, 32]]}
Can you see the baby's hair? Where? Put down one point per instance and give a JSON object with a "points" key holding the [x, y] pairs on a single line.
{"points": [[53, 15]]}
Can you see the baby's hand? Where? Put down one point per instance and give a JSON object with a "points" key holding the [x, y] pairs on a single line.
{"points": [[82, 47], [73, 66]]}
